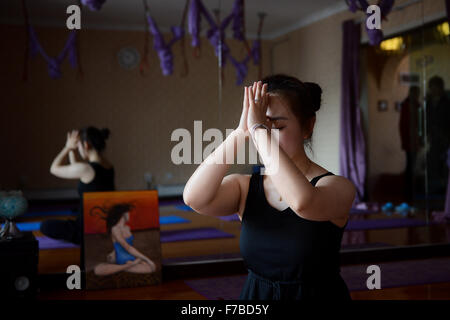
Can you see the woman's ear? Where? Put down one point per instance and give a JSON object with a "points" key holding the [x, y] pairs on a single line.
{"points": [[86, 145]]}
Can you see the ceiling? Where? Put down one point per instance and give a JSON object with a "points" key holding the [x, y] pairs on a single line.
{"points": [[282, 17]]}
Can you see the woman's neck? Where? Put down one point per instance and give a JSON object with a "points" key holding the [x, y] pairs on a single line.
{"points": [[94, 157], [302, 162]]}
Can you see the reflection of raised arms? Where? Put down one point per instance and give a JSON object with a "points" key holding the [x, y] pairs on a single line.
{"points": [[75, 170], [72, 157], [130, 249]]}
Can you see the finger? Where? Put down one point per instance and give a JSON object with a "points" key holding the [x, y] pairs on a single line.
{"points": [[254, 88], [251, 97], [265, 98], [258, 91], [245, 97]]}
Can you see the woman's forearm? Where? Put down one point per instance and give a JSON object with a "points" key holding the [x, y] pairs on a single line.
{"points": [[59, 159], [289, 181], [72, 157], [204, 183]]}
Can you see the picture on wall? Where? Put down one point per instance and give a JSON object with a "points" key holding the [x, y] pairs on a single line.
{"points": [[121, 239]]}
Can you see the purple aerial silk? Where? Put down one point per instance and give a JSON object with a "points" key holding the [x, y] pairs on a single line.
{"points": [[164, 50], [352, 144], [215, 35], [94, 5], [54, 63], [375, 35]]}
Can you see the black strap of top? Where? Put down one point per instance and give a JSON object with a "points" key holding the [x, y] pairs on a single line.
{"points": [[315, 179]]}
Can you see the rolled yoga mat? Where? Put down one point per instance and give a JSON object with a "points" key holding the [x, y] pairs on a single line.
{"points": [[394, 274], [193, 234]]}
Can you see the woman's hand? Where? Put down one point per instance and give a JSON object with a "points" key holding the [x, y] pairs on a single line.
{"points": [[72, 140], [258, 103], [245, 106]]}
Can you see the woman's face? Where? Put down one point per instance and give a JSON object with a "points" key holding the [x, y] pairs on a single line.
{"points": [[126, 216], [290, 132]]}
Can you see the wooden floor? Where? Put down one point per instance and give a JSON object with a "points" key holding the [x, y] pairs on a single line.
{"points": [[178, 290]]}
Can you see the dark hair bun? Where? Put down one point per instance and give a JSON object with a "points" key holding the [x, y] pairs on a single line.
{"points": [[316, 94], [105, 133]]}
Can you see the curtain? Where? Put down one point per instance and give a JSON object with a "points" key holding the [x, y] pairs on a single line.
{"points": [[352, 144]]}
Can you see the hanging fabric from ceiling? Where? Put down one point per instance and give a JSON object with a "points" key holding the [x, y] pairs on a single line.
{"points": [[375, 35], [33, 48]]}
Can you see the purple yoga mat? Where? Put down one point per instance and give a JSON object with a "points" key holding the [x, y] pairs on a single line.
{"points": [[49, 243], [362, 211], [233, 217], [371, 224], [393, 274], [193, 234]]}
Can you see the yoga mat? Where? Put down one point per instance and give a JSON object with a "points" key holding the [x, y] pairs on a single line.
{"points": [[393, 274], [27, 226], [384, 224], [50, 213], [46, 243], [184, 207], [170, 202], [233, 217], [363, 211], [35, 226], [172, 220], [193, 234]]}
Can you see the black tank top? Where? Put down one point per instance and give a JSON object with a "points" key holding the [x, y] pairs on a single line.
{"points": [[103, 180], [282, 246]]}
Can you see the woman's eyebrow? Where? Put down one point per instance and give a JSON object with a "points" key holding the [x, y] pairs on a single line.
{"points": [[277, 118]]}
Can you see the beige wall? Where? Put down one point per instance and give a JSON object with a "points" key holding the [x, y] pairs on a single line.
{"points": [[140, 112]]}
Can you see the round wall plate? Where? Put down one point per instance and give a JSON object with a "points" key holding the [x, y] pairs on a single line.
{"points": [[128, 58]]}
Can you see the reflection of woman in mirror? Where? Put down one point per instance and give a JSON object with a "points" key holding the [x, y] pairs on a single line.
{"points": [[124, 257], [94, 172]]}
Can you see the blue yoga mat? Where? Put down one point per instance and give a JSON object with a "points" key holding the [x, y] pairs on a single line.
{"points": [[172, 220], [27, 226], [184, 207], [34, 226]]}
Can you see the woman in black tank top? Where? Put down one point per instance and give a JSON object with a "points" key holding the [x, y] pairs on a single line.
{"points": [[292, 221], [95, 173]]}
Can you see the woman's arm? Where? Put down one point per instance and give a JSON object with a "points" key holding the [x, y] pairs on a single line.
{"points": [[332, 197], [75, 170], [207, 191]]}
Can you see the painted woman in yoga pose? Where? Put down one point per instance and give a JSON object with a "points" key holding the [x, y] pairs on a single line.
{"points": [[93, 170], [124, 257], [293, 218]]}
